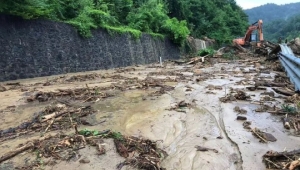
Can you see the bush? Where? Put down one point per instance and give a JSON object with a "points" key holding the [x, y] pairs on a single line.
{"points": [[207, 51]]}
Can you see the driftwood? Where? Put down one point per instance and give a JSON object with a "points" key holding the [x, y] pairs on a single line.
{"points": [[256, 133], [16, 152], [282, 160], [27, 146], [284, 92], [196, 59], [270, 84]]}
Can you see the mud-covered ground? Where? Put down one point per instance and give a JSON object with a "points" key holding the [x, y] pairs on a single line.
{"points": [[221, 114]]}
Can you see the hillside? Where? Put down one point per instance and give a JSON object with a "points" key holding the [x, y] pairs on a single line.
{"points": [[218, 19], [270, 12], [284, 29]]}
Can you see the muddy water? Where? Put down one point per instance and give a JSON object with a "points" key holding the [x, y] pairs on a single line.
{"points": [[207, 123], [178, 132]]}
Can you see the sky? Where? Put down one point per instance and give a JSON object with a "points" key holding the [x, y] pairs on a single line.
{"points": [[247, 4]]}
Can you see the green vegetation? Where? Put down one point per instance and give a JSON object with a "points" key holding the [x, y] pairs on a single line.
{"points": [[221, 20], [107, 133], [87, 132], [280, 21], [206, 52], [284, 29], [289, 109], [271, 12]]}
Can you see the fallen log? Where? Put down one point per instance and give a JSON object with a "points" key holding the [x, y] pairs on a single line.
{"points": [[11, 154], [284, 92], [270, 84], [281, 155], [196, 59]]}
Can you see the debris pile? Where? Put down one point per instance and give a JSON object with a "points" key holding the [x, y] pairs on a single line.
{"points": [[122, 70], [14, 85], [295, 45], [282, 160], [165, 73], [293, 99], [84, 77], [180, 106], [241, 95], [235, 95], [57, 117], [85, 94], [140, 153]]}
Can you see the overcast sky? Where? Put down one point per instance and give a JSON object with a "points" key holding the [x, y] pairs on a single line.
{"points": [[246, 4]]}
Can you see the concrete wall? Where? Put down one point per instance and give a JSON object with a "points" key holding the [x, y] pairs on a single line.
{"points": [[40, 48]]}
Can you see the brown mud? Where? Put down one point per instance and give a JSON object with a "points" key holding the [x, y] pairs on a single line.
{"points": [[175, 116]]}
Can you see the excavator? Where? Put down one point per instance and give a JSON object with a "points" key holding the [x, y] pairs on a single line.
{"points": [[250, 40]]}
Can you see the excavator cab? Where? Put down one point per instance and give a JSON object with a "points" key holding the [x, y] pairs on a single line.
{"points": [[251, 39]]}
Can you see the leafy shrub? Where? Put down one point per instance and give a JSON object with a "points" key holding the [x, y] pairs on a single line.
{"points": [[289, 109], [207, 51], [177, 30]]}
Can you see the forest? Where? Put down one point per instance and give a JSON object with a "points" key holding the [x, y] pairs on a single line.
{"points": [[280, 21], [221, 20], [283, 29]]}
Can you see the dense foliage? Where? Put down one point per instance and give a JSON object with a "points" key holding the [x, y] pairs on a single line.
{"points": [[283, 29], [221, 20], [218, 19], [270, 12], [280, 21]]}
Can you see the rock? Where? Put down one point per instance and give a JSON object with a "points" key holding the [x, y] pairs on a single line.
{"points": [[271, 93], [269, 137], [236, 109], [91, 120], [2, 88], [183, 104], [243, 111], [218, 87], [251, 88], [247, 124], [220, 137], [241, 118], [85, 161], [239, 110], [210, 87]]}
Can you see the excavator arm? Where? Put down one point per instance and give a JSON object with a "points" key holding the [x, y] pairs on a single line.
{"points": [[247, 38]]}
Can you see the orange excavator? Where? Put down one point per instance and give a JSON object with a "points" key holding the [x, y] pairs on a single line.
{"points": [[251, 39]]}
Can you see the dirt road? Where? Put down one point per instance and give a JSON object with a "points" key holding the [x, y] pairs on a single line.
{"points": [[178, 106]]}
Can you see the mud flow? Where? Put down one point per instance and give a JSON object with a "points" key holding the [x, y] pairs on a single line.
{"points": [[211, 114]]}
